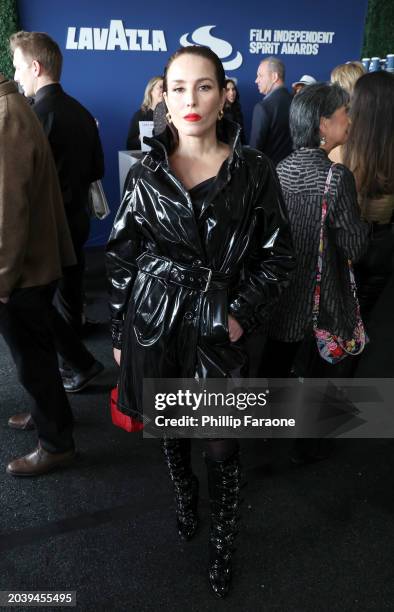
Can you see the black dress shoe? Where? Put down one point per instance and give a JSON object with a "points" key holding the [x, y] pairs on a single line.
{"points": [[40, 462], [65, 370], [79, 380], [22, 421]]}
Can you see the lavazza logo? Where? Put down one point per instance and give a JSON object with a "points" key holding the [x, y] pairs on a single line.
{"points": [[116, 36]]}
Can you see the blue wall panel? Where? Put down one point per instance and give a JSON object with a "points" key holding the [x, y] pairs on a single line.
{"points": [[110, 82]]}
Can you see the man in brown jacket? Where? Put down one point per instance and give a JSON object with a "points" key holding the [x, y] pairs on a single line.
{"points": [[35, 244], [75, 143]]}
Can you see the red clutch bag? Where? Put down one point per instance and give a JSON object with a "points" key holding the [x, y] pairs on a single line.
{"points": [[118, 418]]}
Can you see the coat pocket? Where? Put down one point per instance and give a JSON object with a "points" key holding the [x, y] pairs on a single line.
{"points": [[150, 308], [214, 318]]}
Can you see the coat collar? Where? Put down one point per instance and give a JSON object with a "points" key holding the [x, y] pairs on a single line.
{"points": [[276, 90], [161, 144], [158, 157], [7, 87], [47, 90]]}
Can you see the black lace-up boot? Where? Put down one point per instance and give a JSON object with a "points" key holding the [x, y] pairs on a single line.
{"points": [[224, 491], [177, 454]]}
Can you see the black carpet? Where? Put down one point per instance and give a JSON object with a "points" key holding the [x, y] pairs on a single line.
{"points": [[313, 538]]}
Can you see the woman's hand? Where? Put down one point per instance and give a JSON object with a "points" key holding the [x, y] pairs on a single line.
{"points": [[117, 355], [235, 331]]}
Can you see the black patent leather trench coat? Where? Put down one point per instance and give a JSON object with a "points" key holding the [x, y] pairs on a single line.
{"points": [[172, 329]]}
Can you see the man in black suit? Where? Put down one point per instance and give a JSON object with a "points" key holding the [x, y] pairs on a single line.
{"points": [[76, 147], [270, 124]]}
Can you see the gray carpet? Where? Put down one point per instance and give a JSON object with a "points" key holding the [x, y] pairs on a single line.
{"points": [[313, 538]]}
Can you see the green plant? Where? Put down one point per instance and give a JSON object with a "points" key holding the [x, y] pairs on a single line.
{"points": [[379, 29], [9, 23]]}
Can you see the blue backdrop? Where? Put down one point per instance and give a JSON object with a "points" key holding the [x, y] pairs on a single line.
{"points": [[112, 48]]}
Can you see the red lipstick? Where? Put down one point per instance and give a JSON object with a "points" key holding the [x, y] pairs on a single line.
{"points": [[192, 117]]}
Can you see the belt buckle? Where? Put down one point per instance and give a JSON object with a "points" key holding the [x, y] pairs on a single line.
{"points": [[209, 279]]}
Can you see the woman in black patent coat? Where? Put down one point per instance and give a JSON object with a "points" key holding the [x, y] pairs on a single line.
{"points": [[200, 242]]}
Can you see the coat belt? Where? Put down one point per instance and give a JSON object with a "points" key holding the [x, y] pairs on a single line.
{"points": [[198, 278]]}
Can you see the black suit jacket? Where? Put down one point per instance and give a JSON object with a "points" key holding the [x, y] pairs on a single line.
{"points": [[76, 147], [133, 136], [270, 125]]}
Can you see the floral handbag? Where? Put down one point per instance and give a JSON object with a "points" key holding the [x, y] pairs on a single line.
{"points": [[331, 347]]}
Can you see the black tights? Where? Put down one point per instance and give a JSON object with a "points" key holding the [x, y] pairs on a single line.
{"points": [[218, 449]]}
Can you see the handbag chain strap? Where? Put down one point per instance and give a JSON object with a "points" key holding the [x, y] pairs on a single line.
{"points": [[316, 297], [316, 300]]}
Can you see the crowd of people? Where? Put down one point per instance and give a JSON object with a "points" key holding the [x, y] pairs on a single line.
{"points": [[213, 242]]}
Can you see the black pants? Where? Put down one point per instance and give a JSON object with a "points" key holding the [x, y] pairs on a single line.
{"points": [[69, 294], [68, 344], [68, 300], [26, 325], [280, 358], [283, 359]]}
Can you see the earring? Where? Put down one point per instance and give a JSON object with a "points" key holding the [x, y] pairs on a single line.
{"points": [[168, 117], [220, 114], [322, 141]]}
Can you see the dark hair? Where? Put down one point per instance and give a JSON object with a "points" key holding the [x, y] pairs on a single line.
{"points": [[200, 51], [369, 151], [226, 82], [41, 47], [308, 107]]}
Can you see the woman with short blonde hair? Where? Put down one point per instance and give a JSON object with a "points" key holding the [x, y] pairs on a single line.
{"points": [[152, 96], [347, 74]]}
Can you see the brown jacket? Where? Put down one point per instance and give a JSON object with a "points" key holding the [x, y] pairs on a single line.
{"points": [[35, 240]]}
